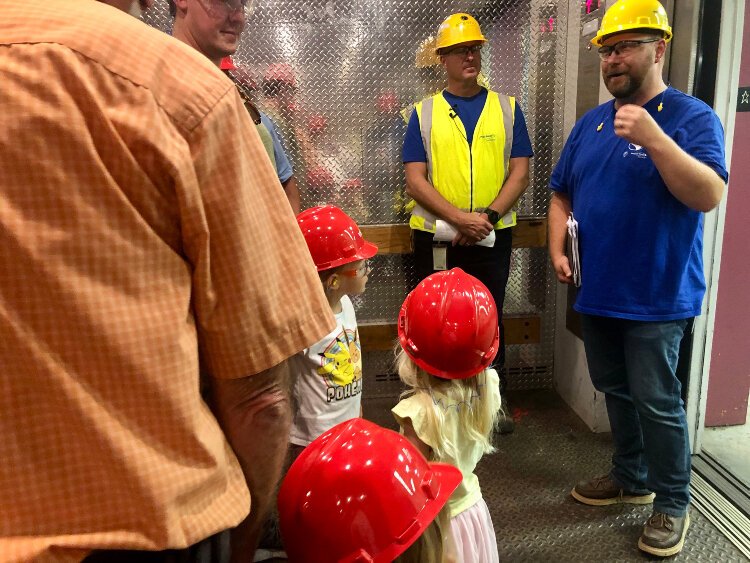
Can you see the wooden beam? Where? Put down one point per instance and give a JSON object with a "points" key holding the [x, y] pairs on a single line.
{"points": [[530, 233], [390, 239], [523, 329], [395, 238], [519, 329], [377, 337]]}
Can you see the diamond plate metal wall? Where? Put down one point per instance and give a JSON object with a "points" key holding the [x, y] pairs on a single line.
{"points": [[334, 75]]}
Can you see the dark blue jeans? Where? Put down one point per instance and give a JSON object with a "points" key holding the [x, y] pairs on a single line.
{"points": [[634, 363]]}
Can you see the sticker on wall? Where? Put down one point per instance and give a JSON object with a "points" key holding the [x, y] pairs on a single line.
{"points": [[743, 99]]}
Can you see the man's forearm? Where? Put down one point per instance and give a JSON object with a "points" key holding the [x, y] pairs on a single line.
{"points": [[692, 182], [471, 227], [292, 194], [559, 210], [254, 413]]}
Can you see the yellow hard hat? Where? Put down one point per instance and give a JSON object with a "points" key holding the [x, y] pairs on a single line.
{"points": [[628, 15], [457, 28]]}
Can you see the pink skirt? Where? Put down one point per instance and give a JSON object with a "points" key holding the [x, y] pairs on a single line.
{"points": [[474, 535]]}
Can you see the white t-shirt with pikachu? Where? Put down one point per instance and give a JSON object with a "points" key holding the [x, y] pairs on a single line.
{"points": [[328, 386]]}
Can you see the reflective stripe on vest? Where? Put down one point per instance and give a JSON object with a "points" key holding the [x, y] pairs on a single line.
{"points": [[468, 177]]}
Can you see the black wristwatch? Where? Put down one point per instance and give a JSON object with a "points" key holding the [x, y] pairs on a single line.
{"points": [[492, 215]]}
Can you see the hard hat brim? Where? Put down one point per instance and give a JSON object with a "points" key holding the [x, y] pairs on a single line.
{"points": [[450, 478], [448, 45], [598, 39]]}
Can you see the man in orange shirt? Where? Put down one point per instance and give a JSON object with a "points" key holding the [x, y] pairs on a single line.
{"points": [[144, 239]]}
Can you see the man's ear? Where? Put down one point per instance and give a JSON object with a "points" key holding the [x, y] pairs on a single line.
{"points": [[661, 49], [332, 282]]}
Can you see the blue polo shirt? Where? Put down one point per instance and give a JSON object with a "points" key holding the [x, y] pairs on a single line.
{"points": [[641, 248], [468, 111]]}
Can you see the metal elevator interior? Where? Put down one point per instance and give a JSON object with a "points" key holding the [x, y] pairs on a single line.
{"points": [[335, 76]]}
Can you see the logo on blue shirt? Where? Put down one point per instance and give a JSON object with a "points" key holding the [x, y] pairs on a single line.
{"points": [[635, 150]]}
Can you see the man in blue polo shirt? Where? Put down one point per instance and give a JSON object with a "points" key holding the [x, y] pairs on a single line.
{"points": [[638, 173], [466, 157]]}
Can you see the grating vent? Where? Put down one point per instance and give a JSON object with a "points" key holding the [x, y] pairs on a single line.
{"points": [[386, 377], [528, 377]]}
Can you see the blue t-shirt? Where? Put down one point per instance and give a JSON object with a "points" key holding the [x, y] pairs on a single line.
{"points": [[468, 111], [283, 168], [641, 248]]}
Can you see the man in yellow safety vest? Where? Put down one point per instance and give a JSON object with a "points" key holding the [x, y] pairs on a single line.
{"points": [[466, 154]]}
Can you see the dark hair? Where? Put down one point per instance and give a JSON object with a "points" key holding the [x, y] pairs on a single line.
{"points": [[324, 275], [172, 8]]}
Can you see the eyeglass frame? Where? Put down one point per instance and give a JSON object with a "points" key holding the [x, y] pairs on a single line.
{"points": [[222, 8], [605, 51], [366, 267], [465, 50]]}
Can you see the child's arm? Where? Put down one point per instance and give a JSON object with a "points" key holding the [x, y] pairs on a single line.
{"points": [[411, 435]]}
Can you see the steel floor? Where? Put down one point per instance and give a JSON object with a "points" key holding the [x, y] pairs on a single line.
{"points": [[526, 485]]}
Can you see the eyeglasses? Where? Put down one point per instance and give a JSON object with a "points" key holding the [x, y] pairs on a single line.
{"points": [[623, 48], [360, 272], [225, 8], [463, 51]]}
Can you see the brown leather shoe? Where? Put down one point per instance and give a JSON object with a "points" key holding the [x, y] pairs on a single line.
{"points": [[603, 491], [664, 535]]}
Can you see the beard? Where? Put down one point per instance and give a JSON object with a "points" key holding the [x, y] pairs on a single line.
{"points": [[626, 85]]}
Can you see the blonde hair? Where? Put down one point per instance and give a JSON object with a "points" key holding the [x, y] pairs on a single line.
{"points": [[435, 545], [476, 406]]}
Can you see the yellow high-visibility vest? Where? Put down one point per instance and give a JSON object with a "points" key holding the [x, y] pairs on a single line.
{"points": [[468, 176]]}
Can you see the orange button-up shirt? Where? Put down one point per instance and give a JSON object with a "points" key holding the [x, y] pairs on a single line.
{"points": [[142, 231]]}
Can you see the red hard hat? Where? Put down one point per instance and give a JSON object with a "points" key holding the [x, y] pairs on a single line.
{"points": [[448, 325], [360, 493], [334, 239], [227, 64]]}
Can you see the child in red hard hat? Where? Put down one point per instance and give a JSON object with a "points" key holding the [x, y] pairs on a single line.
{"points": [[360, 492], [449, 336], [328, 383], [327, 376]]}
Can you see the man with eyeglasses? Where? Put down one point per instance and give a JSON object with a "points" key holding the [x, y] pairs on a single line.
{"points": [[466, 156], [638, 172], [214, 28], [132, 276]]}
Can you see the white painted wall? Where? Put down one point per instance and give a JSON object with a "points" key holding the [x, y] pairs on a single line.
{"points": [[571, 376]]}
